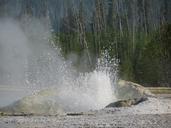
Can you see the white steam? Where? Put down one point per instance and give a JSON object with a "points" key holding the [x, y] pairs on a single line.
{"points": [[28, 60]]}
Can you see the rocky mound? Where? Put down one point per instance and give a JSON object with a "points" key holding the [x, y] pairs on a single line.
{"points": [[46, 102], [129, 93], [126, 90], [41, 103]]}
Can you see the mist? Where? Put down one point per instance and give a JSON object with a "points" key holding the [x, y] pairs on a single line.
{"points": [[30, 62], [13, 53]]}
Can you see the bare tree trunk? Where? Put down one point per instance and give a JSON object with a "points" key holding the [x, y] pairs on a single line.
{"points": [[81, 32], [133, 24], [145, 16], [120, 20]]}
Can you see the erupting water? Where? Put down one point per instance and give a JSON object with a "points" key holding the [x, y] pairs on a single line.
{"points": [[29, 61]]}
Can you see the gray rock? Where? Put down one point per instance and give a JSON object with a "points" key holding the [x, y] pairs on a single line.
{"points": [[128, 90], [127, 103]]}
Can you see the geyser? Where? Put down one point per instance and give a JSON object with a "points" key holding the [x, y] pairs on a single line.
{"points": [[30, 61]]}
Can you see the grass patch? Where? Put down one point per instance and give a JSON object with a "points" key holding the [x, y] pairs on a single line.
{"points": [[160, 90]]}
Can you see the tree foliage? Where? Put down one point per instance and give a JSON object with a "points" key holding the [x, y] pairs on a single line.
{"points": [[135, 32], [126, 30]]}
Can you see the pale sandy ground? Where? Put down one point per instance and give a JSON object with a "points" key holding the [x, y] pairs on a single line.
{"points": [[154, 113]]}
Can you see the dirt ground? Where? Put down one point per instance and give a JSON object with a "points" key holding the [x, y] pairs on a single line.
{"points": [[89, 121], [153, 113]]}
